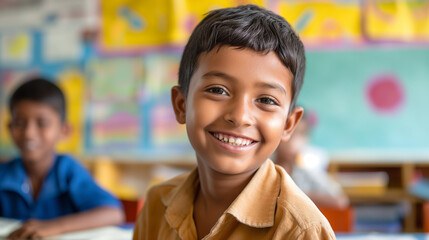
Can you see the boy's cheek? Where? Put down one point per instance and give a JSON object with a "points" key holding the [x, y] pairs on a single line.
{"points": [[277, 124]]}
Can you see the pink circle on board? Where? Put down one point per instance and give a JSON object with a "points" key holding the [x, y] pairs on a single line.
{"points": [[385, 93]]}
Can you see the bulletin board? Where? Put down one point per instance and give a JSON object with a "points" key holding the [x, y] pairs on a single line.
{"points": [[117, 106], [369, 99], [122, 59]]}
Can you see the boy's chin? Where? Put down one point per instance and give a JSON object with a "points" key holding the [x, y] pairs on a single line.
{"points": [[234, 169], [30, 157]]}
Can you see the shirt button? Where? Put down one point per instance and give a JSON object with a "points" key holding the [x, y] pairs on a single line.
{"points": [[25, 188]]}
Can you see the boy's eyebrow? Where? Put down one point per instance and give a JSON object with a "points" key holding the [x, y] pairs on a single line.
{"points": [[218, 74], [274, 86]]}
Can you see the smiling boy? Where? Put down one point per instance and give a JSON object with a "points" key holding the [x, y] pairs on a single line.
{"points": [[239, 78], [50, 193]]}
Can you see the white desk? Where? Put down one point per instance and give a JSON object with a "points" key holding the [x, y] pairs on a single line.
{"points": [[103, 233], [383, 236]]}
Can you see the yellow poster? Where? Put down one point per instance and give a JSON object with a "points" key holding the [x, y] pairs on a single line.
{"points": [[16, 48], [318, 22], [397, 20], [135, 23], [6, 144], [132, 24], [9, 81], [73, 85], [196, 10]]}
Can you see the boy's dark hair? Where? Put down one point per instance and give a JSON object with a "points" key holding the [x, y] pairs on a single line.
{"points": [[40, 90], [246, 26]]}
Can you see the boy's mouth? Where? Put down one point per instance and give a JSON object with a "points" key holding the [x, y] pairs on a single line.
{"points": [[29, 145], [233, 140]]}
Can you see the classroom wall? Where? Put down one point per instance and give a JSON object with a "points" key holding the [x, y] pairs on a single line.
{"points": [[365, 84], [369, 101]]}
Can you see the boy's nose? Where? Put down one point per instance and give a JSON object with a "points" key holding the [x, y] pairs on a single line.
{"points": [[30, 129], [239, 112]]}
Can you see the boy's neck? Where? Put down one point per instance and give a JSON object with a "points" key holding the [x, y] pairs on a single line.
{"points": [[39, 169], [219, 188], [216, 193]]}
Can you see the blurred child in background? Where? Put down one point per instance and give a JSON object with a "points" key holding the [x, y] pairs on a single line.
{"points": [[51, 193], [315, 182]]}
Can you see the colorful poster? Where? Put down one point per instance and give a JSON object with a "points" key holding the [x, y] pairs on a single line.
{"points": [[397, 20], [117, 79], [147, 24], [113, 116], [195, 10], [9, 80], [16, 48], [72, 83], [166, 132], [161, 74], [368, 100], [113, 128], [135, 24], [324, 22]]}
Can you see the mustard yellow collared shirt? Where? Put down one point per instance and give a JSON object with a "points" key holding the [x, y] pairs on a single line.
{"points": [[271, 206]]}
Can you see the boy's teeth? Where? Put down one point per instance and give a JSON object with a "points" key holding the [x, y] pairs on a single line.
{"points": [[30, 145], [232, 140]]}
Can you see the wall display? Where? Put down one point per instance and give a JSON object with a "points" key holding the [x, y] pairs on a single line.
{"points": [[129, 26], [369, 99], [324, 22], [405, 21], [73, 83], [16, 48], [364, 97], [8, 81]]}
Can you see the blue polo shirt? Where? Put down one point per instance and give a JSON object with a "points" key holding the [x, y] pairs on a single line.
{"points": [[68, 188]]}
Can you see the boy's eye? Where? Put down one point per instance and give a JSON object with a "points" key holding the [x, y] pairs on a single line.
{"points": [[267, 101], [18, 123], [42, 123], [217, 90]]}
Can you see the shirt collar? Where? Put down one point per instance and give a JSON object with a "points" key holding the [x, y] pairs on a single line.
{"points": [[255, 206], [180, 200], [16, 179]]}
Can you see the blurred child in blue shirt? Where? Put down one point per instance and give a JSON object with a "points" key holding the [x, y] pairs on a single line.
{"points": [[51, 193]]}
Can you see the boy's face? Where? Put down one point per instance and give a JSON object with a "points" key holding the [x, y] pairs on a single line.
{"points": [[236, 111], [36, 128]]}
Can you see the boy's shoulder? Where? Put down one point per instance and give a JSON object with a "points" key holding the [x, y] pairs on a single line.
{"points": [[296, 206], [165, 191], [169, 185], [67, 169], [66, 162], [9, 167]]}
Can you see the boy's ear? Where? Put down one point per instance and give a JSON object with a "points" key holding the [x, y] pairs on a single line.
{"points": [[9, 127], [179, 104], [291, 122], [66, 131]]}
